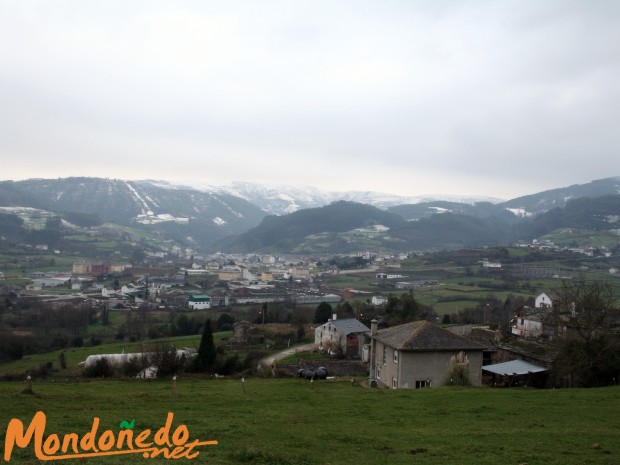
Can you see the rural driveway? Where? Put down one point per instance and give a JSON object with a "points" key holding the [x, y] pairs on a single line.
{"points": [[268, 361]]}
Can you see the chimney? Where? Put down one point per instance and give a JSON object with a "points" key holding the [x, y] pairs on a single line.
{"points": [[373, 327], [334, 317]]}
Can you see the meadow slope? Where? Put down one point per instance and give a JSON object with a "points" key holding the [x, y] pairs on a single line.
{"points": [[295, 422]]}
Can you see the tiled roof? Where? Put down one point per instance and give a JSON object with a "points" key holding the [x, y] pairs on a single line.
{"points": [[350, 325], [424, 335]]}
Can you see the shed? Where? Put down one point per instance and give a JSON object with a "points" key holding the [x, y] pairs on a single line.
{"points": [[513, 368], [517, 371]]}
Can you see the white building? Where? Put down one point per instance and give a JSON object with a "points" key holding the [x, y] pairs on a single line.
{"points": [[347, 334], [527, 326], [543, 301], [378, 300], [487, 264], [388, 276], [199, 302]]}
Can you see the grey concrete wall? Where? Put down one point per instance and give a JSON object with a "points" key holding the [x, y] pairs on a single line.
{"points": [[410, 367]]}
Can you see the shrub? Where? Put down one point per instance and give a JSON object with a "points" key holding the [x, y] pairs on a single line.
{"points": [[101, 369], [459, 370], [135, 365], [164, 357]]}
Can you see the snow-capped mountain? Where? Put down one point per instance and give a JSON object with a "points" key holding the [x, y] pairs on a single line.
{"points": [[282, 199], [156, 205]]}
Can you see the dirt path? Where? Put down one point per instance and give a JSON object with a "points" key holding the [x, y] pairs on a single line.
{"points": [[268, 361]]}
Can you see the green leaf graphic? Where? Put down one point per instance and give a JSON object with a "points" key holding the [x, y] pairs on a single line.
{"points": [[126, 425]]}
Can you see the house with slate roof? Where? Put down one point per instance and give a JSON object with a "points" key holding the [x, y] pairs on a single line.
{"points": [[347, 334], [419, 354]]}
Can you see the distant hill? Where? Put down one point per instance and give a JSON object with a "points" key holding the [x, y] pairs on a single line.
{"points": [[345, 226], [179, 213], [11, 227], [547, 200], [284, 233], [348, 226], [211, 221], [283, 199], [597, 214], [478, 210]]}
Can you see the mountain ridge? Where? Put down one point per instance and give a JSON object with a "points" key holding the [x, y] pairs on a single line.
{"points": [[281, 199], [206, 220]]}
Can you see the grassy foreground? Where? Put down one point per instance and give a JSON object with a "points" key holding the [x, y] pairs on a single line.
{"points": [[294, 422]]}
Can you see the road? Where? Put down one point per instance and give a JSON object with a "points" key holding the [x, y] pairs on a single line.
{"points": [[268, 361]]}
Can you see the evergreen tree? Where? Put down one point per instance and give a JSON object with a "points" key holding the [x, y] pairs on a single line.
{"points": [[301, 333], [345, 310], [206, 350], [323, 313], [62, 360], [224, 322]]}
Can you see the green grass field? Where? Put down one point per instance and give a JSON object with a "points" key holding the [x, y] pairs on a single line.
{"points": [[295, 422], [75, 355]]}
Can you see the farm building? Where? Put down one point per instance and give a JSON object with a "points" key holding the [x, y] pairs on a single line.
{"points": [[146, 359], [199, 302], [420, 354], [246, 333], [347, 334]]}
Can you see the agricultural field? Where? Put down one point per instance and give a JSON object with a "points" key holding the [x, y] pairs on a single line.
{"points": [[572, 237], [75, 355], [296, 422]]}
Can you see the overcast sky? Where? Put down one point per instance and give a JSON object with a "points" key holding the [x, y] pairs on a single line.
{"points": [[492, 98]]}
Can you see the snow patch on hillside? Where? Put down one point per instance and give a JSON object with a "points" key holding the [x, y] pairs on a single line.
{"points": [[520, 212], [150, 218], [282, 199], [146, 211]]}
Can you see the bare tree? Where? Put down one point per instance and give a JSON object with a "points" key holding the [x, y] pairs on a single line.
{"points": [[587, 319], [163, 355]]}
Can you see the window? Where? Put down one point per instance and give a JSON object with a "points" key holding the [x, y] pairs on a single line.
{"points": [[395, 356], [378, 376], [423, 383], [384, 355], [394, 383]]}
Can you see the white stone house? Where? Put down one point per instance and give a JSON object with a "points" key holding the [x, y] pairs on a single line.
{"points": [[528, 325], [107, 293], [347, 334], [543, 301]]}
